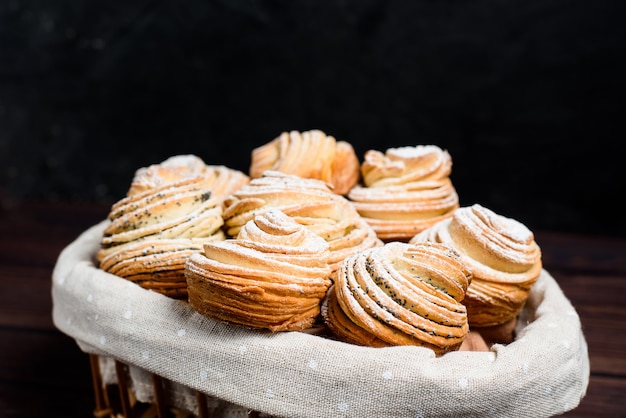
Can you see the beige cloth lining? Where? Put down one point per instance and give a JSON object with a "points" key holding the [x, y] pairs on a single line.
{"points": [[544, 372]]}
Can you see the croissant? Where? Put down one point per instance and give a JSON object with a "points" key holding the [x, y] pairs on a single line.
{"points": [[273, 275], [309, 202], [309, 154], [405, 190], [400, 294], [503, 256]]}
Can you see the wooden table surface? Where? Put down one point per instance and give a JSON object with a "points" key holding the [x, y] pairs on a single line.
{"points": [[43, 373]]}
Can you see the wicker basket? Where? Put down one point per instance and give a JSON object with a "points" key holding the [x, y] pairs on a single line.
{"points": [[194, 365], [116, 397]]}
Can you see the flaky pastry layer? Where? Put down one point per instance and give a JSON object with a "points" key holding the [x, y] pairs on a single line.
{"points": [[310, 203], [221, 180], [405, 190], [502, 254], [152, 233], [400, 294], [273, 275], [309, 154]]}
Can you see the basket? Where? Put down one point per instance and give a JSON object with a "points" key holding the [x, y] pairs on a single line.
{"points": [[544, 372], [125, 391]]}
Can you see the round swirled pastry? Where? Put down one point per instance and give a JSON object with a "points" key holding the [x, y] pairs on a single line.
{"points": [[503, 256], [273, 275], [309, 154], [405, 190], [310, 203], [171, 209], [221, 180], [152, 233], [400, 294]]}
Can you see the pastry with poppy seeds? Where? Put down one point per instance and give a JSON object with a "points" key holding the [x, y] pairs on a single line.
{"points": [[170, 211], [400, 294], [505, 261]]}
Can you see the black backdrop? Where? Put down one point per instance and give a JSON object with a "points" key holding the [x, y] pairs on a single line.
{"points": [[528, 96]]}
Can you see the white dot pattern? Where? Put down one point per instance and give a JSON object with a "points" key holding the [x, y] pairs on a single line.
{"points": [[130, 315]]}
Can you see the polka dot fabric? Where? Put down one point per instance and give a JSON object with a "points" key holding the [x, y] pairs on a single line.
{"points": [[544, 372]]}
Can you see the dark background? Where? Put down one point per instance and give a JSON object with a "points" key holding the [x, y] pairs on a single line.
{"points": [[529, 97]]}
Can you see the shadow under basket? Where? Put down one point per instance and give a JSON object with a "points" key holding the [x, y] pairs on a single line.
{"points": [[167, 360]]}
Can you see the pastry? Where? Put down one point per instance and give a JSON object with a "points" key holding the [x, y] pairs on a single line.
{"points": [[400, 294], [170, 210], [504, 259], [152, 233], [405, 190], [474, 342], [309, 154], [221, 180], [273, 275], [309, 202], [172, 169]]}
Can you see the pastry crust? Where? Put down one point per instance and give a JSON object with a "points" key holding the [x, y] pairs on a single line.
{"points": [[273, 275], [310, 203], [400, 294], [221, 180], [503, 256], [309, 154], [405, 190], [171, 209]]}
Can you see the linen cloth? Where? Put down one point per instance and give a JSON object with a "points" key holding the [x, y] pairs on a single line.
{"points": [[544, 372]]}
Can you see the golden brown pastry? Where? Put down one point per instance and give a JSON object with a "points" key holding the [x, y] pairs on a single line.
{"points": [[273, 275], [310, 203], [220, 179], [152, 234], [474, 342], [405, 190], [504, 259], [173, 169], [400, 294], [309, 154], [170, 211]]}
